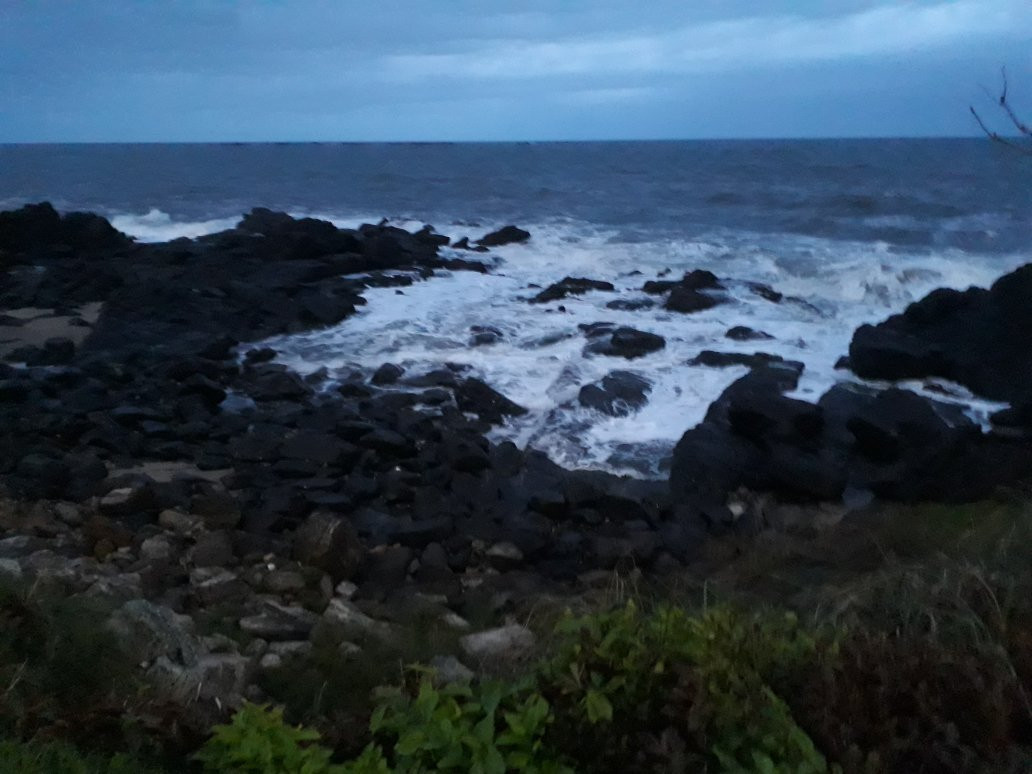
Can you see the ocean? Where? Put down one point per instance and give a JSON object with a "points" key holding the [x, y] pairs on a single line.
{"points": [[850, 231]]}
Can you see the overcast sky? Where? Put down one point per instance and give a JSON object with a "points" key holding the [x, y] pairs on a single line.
{"points": [[218, 70]]}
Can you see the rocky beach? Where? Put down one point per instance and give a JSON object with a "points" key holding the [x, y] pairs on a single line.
{"points": [[155, 455]]}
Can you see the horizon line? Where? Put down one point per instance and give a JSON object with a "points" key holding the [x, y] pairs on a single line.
{"points": [[825, 138]]}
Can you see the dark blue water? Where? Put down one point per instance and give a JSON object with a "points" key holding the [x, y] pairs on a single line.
{"points": [[963, 193]]}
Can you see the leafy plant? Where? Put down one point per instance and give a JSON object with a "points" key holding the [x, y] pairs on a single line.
{"points": [[258, 741], [488, 728]]}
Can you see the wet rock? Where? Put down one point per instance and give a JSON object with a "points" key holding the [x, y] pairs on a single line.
{"points": [[766, 292], [504, 236], [631, 304], [476, 397], [484, 335], [622, 342], [756, 360], [570, 286], [686, 300], [388, 373], [744, 333], [39, 226], [617, 394], [463, 244], [974, 337]]}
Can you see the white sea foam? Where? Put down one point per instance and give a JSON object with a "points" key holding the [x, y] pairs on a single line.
{"points": [[158, 226], [830, 288]]}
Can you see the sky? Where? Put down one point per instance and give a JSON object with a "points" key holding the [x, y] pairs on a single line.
{"points": [[426, 70]]}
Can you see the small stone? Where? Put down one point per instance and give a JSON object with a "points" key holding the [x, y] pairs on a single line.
{"points": [[216, 585], [341, 612], [270, 661], [504, 555], [10, 570], [218, 509], [126, 500], [291, 648], [177, 521], [455, 621], [345, 589], [329, 543], [154, 548], [69, 513], [213, 549], [280, 622], [448, 669], [500, 644], [283, 581]]}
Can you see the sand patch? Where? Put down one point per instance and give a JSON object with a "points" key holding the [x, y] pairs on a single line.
{"points": [[38, 325]]}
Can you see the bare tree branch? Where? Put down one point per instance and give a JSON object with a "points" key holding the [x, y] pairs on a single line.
{"points": [[1005, 106], [1022, 127]]}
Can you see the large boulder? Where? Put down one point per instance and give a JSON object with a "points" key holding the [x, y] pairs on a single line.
{"points": [[975, 337], [892, 443], [330, 543], [36, 227]]}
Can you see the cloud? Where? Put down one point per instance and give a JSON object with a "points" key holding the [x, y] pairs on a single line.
{"points": [[725, 44]]}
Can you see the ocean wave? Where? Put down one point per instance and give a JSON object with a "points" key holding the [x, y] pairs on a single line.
{"points": [[830, 287], [158, 226]]}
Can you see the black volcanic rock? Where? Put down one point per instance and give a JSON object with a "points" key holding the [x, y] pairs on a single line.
{"points": [[570, 286], [713, 359], [976, 337], [744, 333], [617, 394], [686, 300], [504, 236], [478, 398], [893, 443], [620, 342], [38, 226], [386, 374]]}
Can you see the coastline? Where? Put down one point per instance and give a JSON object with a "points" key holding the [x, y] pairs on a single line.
{"points": [[157, 461]]}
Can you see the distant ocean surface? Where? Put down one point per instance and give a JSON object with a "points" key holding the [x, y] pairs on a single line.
{"points": [[852, 230]]}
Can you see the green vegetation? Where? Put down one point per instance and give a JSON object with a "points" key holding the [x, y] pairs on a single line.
{"points": [[61, 758], [900, 641]]}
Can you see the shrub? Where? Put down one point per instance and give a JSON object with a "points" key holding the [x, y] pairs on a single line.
{"points": [[258, 741], [491, 727], [57, 667], [60, 758]]}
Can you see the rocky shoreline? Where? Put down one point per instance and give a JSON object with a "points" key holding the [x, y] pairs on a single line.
{"points": [[156, 460]]}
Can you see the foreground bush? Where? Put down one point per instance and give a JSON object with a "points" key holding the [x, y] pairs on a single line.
{"points": [[628, 691]]}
